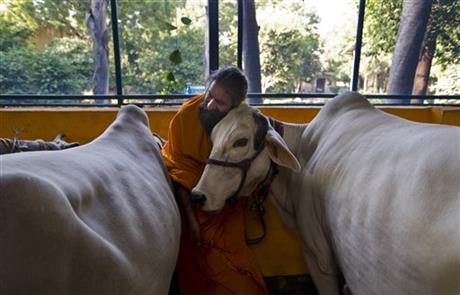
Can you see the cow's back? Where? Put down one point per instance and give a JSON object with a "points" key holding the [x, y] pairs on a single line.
{"points": [[96, 219], [391, 198]]}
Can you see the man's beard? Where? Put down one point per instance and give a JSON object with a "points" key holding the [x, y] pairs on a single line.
{"points": [[209, 118]]}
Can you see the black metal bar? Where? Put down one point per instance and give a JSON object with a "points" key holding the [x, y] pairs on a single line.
{"points": [[116, 49], [255, 95], [240, 35], [272, 104], [358, 44], [81, 97], [213, 29], [56, 105], [168, 99]]}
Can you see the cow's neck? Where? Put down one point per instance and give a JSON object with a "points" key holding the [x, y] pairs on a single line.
{"points": [[292, 134], [280, 187], [297, 198]]}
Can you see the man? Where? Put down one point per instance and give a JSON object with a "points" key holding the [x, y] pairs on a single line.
{"points": [[213, 258]]}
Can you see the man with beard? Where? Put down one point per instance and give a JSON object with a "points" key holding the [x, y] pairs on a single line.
{"points": [[213, 257]]}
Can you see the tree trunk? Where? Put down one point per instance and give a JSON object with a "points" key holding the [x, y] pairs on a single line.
{"points": [[422, 73], [206, 45], [251, 52], [206, 70], [412, 28], [96, 19]]}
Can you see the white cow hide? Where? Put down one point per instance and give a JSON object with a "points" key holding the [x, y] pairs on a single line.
{"points": [[377, 195], [95, 219]]}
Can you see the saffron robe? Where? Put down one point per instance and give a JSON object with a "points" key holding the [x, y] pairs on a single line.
{"points": [[227, 265]]}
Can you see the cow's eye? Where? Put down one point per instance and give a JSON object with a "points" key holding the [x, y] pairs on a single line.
{"points": [[240, 142]]}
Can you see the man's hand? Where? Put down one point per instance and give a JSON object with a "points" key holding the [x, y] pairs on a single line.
{"points": [[185, 204], [194, 232]]}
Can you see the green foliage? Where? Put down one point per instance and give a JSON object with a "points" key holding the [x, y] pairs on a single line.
{"points": [[63, 67], [68, 74], [12, 35], [228, 28], [444, 25], [167, 26], [15, 68], [149, 69], [175, 57], [186, 20], [61, 15], [170, 77], [290, 54], [381, 26], [290, 58], [157, 47], [289, 50], [162, 44], [336, 72], [382, 23]]}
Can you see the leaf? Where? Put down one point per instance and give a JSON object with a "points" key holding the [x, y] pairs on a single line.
{"points": [[186, 20], [169, 26], [170, 77], [175, 57]]}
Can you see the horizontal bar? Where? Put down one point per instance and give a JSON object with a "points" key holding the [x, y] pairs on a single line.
{"points": [[81, 97], [178, 104], [250, 95]]}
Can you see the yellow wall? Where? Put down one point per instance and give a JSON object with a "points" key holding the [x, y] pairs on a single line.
{"points": [[85, 124], [280, 252]]}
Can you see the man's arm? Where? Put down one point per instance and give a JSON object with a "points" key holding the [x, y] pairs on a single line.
{"points": [[184, 201], [183, 154]]}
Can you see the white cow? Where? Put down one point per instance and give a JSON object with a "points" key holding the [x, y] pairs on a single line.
{"points": [[95, 219], [377, 195]]}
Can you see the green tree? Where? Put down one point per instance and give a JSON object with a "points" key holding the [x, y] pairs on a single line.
{"points": [[39, 71], [161, 45], [294, 58], [12, 35], [251, 51], [228, 33], [62, 66], [441, 44], [68, 74], [443, 32], [64, 17], [289, 52], [96, 21], [412, 28], [15, 71], [31, 64]]}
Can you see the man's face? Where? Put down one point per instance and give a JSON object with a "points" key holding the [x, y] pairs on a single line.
{"points": [[216, 105], [218, 99]]}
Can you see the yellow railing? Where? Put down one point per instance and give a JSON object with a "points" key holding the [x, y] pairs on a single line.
{"points": [[83, 124]]}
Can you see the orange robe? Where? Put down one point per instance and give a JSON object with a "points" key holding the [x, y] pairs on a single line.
{"points": [[227, 265]]}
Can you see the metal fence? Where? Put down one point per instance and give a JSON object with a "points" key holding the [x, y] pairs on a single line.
{"points": [[267, 99]]}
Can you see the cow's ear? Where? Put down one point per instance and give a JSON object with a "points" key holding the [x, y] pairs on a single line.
{"points": [[279, 151]]}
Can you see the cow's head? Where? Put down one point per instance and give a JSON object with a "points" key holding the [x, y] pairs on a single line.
{"points": [[244, 144]]}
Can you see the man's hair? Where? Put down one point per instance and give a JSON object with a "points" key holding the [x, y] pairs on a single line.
{"points": [[233, 81]]}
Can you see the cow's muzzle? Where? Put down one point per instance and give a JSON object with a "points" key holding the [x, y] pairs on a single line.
{"points": [[198, 199]]}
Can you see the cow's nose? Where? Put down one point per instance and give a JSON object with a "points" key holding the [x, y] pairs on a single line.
{"points": [[198, 199]]}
